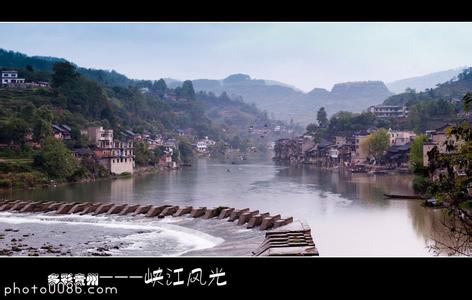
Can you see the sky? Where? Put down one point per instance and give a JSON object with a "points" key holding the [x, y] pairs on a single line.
{"points": [[306, 55]]}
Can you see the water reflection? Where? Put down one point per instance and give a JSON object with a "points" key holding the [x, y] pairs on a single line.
{"points": [[347, 212]]}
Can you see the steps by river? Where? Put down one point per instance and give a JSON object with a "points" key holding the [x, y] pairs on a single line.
{"points": [[284, 236]]}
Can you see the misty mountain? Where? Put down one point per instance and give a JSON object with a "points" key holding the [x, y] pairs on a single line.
{"points": [[421, 83], [450, 91], [285, 102]]}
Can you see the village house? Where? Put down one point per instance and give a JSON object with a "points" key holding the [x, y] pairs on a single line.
{"points": [[116, 156], [61, 132], [289, 150], [128, 135], [171, 143], [80, 153], [166, 158], [397, 156], [11, 77], [360, 153], [389, 111], [399, 138], [201, 147], [438, 138], [320, 154]]}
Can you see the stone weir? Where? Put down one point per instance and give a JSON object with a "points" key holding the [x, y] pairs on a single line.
{"points": [[284, 236]]}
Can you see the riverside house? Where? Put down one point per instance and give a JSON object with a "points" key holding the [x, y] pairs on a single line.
{"points": [[116, 156], [440, 139]]}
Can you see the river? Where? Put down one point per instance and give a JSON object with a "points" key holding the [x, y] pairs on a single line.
{"points": [[347, 212]]}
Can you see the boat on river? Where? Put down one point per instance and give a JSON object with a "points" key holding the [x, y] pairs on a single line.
{"points": [[413, 197]]}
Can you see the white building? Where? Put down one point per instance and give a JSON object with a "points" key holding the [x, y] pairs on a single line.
{"points": [[11, 77], [202, 146], [400, 138], [389, 111], [101, 137], [116, 156]]}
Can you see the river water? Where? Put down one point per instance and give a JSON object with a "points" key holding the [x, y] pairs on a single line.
{"points": [[347, 212]]}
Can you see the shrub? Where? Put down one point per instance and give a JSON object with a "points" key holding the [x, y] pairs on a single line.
{"points": [[5, 183]]}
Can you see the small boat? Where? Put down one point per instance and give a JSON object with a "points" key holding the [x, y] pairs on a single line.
{"points": [[416, 197], [378, 172]]}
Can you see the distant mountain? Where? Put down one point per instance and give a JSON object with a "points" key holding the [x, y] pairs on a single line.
{"points": [[281, 101], [285, 102], [275, 82], [447, 91], [421, 83], [114, 100]]}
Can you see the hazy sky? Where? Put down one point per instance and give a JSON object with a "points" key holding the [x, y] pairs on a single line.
{"points": [[306, 55]]}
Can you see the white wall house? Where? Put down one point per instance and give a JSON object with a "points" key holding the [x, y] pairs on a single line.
{"points": [[202, 146], [11, 77], [389, 111], [116, 156], [399, 138]]}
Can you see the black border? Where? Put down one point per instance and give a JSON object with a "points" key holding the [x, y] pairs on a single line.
{"points": [[234, 11], [248, 277]]}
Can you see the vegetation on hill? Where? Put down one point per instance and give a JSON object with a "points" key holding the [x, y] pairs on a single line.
{"points": [[421, 83], [434, 107], [285, 102], [81, 98]]}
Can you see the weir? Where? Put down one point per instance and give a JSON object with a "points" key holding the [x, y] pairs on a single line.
{"points": [[284, 237]]}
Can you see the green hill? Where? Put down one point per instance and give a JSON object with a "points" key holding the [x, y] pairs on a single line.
{"points": [[111, 99], [435, 107]]}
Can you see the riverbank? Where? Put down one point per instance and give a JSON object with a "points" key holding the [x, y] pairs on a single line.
{"points": [[37, 180]]}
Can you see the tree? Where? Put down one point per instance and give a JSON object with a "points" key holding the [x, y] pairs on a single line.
{"points": [[63, 72], [312, 127], [187, 90], [160, 87], [14, 131], [378, 142], [322, 118], [186, 152], [467, 101], [55, 159], [452, 184], [141, 153], [43, 124], [416, 153]]}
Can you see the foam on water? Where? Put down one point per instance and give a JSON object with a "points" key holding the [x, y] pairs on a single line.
{"points": [[153, 236]]}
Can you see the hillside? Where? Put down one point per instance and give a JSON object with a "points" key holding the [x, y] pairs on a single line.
{"points": [[44, 64], [285, 102], [90, 96], [453, 89], [435, 107], [348, 96], [421, 83]]}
